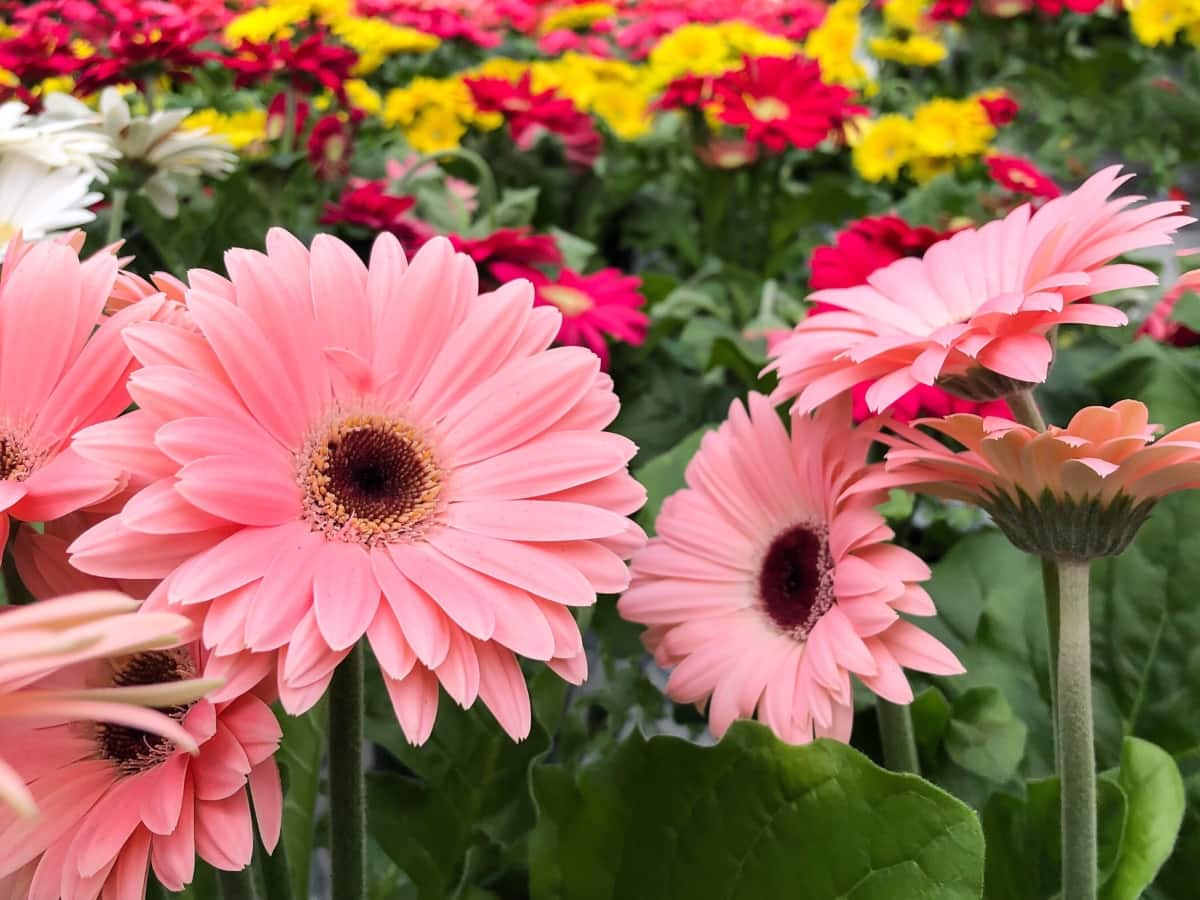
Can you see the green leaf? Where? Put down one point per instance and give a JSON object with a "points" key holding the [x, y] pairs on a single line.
{"points": [[300, 755], [1177, 880], [1024, 838], [515, 207], [663, 476], [749, 818], [575, 250], [1167, 379], [1155, 802], [983, 736], [466, 791]]}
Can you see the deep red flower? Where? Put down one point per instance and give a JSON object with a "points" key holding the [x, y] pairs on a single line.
{"points": [[39, 50], [1159, 325], [531, 114], [687, 92], [146, 38], [605, 303], [1055, 7], [1000, 109], [782, 102], [366, 204], [1013, 173], [277, 116], [330, 147], [310, 65], [867, 245], [518, 246], [857, 251], [949, 10]]}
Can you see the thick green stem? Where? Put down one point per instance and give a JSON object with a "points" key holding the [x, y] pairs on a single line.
{"points": [[899, 739], [237, 885], [347, 786], [1025, 410], [287, 140], [116, 214], [1077, 767], [150, 92]]}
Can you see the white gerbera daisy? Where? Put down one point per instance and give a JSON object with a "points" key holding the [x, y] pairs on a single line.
{"points": [[55, 140], [37, 201]]}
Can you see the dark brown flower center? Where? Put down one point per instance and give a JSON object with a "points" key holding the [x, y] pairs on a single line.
{"points": [[371, 480], [795, 583], [131, 749], [16, 460]]}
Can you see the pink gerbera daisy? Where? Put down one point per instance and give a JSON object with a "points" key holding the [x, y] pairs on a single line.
{"points": [[58, 373], [771, 582], [972, 315], [342, 451], [117, 800], [39, 640], [603, 303]]}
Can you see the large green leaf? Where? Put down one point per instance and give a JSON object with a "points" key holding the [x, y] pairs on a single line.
{"points": [[1154, 796], [749, 818], [464, 797]]}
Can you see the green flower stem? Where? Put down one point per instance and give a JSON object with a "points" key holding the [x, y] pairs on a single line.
{"points": [[287, 140], [1025, 408], [116, 214], [899, 740], [1077, 754], [237, 885], [489, 194], [347, 786]]}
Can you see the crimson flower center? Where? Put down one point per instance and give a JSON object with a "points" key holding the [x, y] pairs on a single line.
{"points": [[795, 582], [371, 480], [130, 749]]}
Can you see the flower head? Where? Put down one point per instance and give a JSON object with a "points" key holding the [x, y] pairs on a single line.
{"points": [[343, 451], [367, 204], [883, 147], [37, 201], [118, 800], [514, 246], [782, 102], [605, 303], [1077, 492], [309, 65], [999, 105], [1159, 325], [771, 581], [973, 313], [1021, 176], [56, 141], [142, 39], [530, 114], [58, 635], [866, 245]]}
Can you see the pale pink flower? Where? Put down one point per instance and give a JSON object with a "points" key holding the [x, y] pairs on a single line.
{"points": [[1076, 492], [39, 640], [58, 373], [116, 800], [771, 581], [342, 451], [972, 314]]}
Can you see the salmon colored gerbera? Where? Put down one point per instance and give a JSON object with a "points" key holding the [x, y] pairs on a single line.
{"points": [[1076, 493], [116, 800], [972, 315], [58, 373], [39, 640], [770, 582], [332, 451]]}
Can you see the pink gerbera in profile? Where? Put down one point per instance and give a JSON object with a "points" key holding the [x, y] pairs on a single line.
{"points": [[338, 451], [1160, 326], [117, 800], [58, 373], [40, 640], [605, 303], [1077, 492], [771, 581], [972, 315]]}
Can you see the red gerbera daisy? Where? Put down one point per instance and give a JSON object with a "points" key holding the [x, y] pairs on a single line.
{"points": [[310, 65], [1021, 176], [782, 102], [145, 38], [518, 246], [531, 114], [867, 245], [604, 303], [367, 204]]}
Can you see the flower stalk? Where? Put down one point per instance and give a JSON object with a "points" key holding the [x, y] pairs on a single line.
{"points": [[116, 215], [287, 140], [899, 738], [347, 785], [1077, 758]]}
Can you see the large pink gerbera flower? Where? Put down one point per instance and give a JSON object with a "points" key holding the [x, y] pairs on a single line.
{"points": [[771, 582], [342, 451], [116, 800], [39, 640], [58, 373], [972, 315]]}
